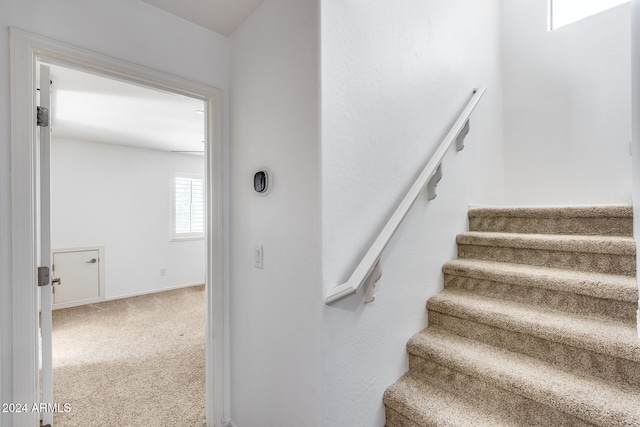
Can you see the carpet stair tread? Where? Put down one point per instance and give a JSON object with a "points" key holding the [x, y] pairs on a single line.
{"points": [[536, 325], [615, 245], [425, 404], [599, 285], [591, 399], [612, 220], [597, 211], [612, 338]]}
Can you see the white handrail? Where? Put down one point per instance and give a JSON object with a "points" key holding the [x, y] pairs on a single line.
{"points": [[368, 271]]}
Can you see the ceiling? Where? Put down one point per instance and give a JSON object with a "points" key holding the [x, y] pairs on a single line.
{"points": [[95, 108], [221, 16]]}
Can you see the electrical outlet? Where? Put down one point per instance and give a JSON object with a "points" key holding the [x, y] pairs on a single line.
{"points": [[163, 271]]}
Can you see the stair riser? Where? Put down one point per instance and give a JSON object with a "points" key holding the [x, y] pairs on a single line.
{"points": [[566, 357], [598, 226], [578, 261], [563, 301], [395, 419], [411, 401], [494, 399]]}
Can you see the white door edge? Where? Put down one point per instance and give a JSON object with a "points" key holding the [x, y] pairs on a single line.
{"points": [[25, 49], [44, 224]]}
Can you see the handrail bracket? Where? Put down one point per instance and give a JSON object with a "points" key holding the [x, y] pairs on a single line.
{"points": [[460, 138], [370, 282], [433, 182]]}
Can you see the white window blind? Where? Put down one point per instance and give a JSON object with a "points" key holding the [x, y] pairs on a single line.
{"points": [[188, 206]]}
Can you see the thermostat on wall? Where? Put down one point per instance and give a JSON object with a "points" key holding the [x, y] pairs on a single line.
{"points": [[262, 181]]}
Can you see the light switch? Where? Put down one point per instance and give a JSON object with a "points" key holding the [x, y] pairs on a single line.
{"points": [[257, 256]]}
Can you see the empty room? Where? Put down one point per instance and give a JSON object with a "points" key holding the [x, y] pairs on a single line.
{"points": [[128, 250]]}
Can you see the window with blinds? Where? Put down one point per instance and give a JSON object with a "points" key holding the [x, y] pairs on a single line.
{"points": [[188, 206]]}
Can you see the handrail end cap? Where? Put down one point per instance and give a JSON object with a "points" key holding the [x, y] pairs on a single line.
{"points": [[340, 292]]}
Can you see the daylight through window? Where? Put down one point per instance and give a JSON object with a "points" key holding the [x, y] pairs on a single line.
{"points": [[188, 206], [563, 12]]}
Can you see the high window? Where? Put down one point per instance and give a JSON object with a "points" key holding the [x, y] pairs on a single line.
{"points": [[563, 12], [188, 207]]}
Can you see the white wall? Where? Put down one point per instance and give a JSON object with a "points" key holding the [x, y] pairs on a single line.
{"points": [[126, 29], [567, 106], [395, 76], [120, 197], [276, 311]]}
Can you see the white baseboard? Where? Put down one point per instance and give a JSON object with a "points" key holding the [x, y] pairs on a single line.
{"points": [[153, 291], [135, 294], [77, 303]]}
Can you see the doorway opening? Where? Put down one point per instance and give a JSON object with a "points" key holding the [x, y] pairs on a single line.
{"points": [[26, 50], [128, 327]]}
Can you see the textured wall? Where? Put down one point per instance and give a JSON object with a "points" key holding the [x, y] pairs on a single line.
{"points": [[567, 106], [275, 311], [395, 76]]}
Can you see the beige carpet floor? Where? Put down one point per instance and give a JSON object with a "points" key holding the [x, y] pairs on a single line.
{"points": [[132, 362]]}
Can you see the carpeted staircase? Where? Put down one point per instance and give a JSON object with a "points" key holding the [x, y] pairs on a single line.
{"points": [[536, 325]]}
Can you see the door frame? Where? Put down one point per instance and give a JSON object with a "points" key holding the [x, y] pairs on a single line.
{"points": [[25, 49]]}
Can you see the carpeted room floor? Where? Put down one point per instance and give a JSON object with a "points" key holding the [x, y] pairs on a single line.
{"points": [[132, 362]]}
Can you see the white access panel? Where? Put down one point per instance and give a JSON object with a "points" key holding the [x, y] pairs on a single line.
{"points": [[77, 277]]}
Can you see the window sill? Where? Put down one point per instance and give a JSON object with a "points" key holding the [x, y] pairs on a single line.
{"points": [[184, 239]]}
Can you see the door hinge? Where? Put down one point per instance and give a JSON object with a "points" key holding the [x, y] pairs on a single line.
{"points": [[43, 276], [42, 116]]}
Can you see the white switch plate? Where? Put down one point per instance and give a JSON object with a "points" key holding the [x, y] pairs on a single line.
{"points": [[257, 256]]}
